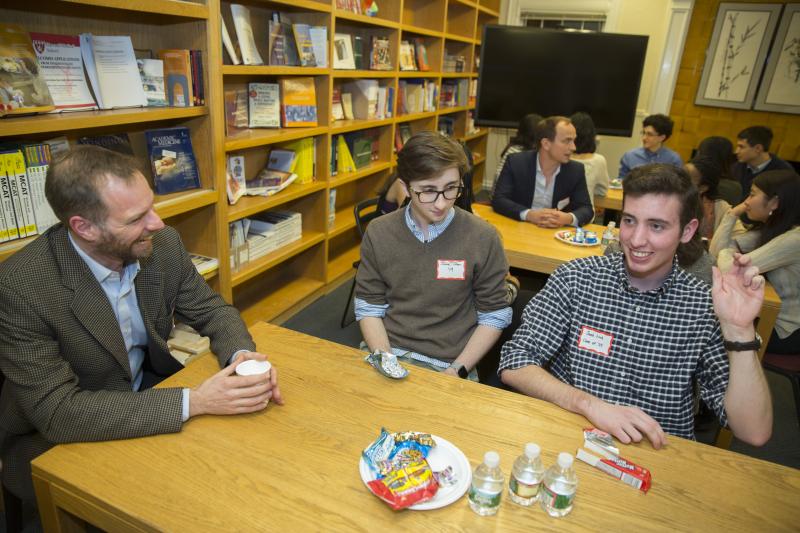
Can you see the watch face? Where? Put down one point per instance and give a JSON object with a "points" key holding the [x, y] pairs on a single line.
{"points": [[463, 372]]}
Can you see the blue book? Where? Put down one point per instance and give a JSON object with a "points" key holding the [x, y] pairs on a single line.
{"points": [[172, 160]]}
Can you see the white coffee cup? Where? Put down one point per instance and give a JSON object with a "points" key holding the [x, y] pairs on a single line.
{"points": [[251, 367]]}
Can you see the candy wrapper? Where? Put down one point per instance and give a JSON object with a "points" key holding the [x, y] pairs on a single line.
{"points": [[629, 473], [387, 364], [600, 438], [413, 483]]}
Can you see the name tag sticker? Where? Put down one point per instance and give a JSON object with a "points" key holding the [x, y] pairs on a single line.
{"points": [[595, 341], [451, 269], [562, 204]]}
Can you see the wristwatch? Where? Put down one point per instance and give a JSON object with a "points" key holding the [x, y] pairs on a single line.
{"points": [[733, 346], [460, 369]]}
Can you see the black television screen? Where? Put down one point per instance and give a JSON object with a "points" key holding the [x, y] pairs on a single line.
{"points": [[553, 72]]}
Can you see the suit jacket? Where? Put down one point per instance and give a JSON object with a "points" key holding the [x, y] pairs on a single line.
{"points": [[517, 181], [67, 372], [741, 173]]}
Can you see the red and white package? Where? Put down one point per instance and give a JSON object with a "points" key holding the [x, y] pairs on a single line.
{"points": [[630, 473]]}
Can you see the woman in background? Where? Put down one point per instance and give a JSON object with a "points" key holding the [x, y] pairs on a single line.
{"points": [[585, 153], [705, 173], [520, 142], [720, 149], [773, 245]]}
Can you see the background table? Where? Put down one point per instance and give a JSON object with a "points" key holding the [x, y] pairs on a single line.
{"points": [[612, 200], [295, 468]]}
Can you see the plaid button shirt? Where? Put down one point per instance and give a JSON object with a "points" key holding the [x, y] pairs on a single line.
{"points": [[660, 340]]}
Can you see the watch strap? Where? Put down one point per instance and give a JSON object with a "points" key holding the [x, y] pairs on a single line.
{"points": [[736, 346]]}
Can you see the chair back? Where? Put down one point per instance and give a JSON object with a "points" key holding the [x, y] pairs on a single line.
{"points": [[365, 211]]}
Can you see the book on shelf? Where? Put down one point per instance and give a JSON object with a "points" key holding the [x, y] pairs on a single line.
{"points": [[152, 73], [113, 73], [454, 93], [172, 160], [416, 96], [203, 263], [290, 46], [228, 43], [57, 145], [9, 230], [272, 230], [235, 182], [347, 106], [337, 111], [305, 48], [37, 161], [360, 145], [277, 44], [344, 159], [298, 102], [306, 155], [343, 52], [405, 133], [17, 185], [61, 67], [446, 126], [244, 34], [22, 87], [354, 6], [178, 77], [331, 208], [237, 234], [319, 42], [264, 105], [358, 53], [269, 182], [116, 142], [198, 86], [365, 98], [407, 59], [473, 91], [236, 112], [380, 57], [422, 55], [454, 63]]}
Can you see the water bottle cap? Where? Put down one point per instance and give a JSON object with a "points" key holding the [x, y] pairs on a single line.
{"points": [[612, 224], [565, 460], [532, 450], [491, 459]]}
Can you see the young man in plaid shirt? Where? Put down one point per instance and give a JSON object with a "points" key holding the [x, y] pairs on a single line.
{"points": [[620, 339]]}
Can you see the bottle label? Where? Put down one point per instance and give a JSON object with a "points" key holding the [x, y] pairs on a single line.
{"points": [[485, 498], [555, 500], [523, 490]]}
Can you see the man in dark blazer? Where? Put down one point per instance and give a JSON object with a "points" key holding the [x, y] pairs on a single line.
{"points": [[86, 311], [753, 157], [544, 187]]}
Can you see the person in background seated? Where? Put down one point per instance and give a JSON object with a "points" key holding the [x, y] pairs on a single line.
{"points": [[772, 245], [656, 129], [522, 141], [705, 173], [586, 154], [720, 149], [753, 156], [619, 339], [86, 312], [431, 280], [544, 187]]}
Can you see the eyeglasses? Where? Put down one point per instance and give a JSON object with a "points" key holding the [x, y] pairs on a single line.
{"points": [[429, 197], [645, 133]]}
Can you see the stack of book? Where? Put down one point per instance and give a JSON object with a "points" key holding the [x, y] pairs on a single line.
{"points": [[453, 63], [416, 96], [454, 93], [273, 230], [356, 52], [24, 211]]}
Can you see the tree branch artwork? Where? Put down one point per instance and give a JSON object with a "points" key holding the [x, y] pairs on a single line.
{"points": [[729, 72], [794, 64]]}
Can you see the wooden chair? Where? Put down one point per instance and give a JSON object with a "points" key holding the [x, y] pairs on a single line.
{"points": [[788, 366], [364, 212]]}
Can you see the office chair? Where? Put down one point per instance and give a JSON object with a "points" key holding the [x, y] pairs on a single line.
{"points": [[364, 212], [12, 505], [788, 366]]}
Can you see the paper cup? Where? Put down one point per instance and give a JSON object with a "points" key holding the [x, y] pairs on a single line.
{"points": [[251, 367]]}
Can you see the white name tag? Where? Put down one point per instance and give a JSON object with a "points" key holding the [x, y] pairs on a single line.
{"points": [[451, 269], [595, 340], [562, 204]]}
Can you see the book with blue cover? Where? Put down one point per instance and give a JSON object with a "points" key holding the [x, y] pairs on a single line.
{"points": [[172, 160]]}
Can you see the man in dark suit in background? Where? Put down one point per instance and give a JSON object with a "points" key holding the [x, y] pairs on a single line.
{"points": [[544, 187], [752, 153], [86, 311]]}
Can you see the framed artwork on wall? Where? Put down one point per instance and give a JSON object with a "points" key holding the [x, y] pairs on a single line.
{"points": [[780, 89], [736, 54]]}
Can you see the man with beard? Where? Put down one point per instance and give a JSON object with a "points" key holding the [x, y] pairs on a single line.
{"points": [[86, 311]]}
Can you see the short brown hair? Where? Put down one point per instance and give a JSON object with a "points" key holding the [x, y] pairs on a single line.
{"points": [[427, 154], [546, 129], [75, 179]]}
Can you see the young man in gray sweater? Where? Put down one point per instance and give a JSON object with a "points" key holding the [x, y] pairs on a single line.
{"points": [[431, 279]]}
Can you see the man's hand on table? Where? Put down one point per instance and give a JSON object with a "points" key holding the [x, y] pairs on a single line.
{"points": [[626, 424], [549, 218], [226, 393]]}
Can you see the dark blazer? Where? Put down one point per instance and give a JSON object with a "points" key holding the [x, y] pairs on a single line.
{"points": [[741, 173], [67, 372], [517, 182]]}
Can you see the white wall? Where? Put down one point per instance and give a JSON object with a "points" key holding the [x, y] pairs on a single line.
{"points": [[637, 17]]}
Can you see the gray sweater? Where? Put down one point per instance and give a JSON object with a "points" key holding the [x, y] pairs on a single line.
{"points": [[431, 316]]}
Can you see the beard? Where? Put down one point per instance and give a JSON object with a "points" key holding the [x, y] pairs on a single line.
{"points": [[128, 252]]}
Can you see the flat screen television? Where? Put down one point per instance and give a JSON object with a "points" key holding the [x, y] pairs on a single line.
{"points": [[553, 72]]}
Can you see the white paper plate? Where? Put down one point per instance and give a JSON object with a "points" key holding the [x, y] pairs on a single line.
{"points": [[560, 236], [444, 454]]}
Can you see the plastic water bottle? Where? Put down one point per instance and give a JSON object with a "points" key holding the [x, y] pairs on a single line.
{"points": [[608, 234], [487, 486], [526, 476], [559, 486]]}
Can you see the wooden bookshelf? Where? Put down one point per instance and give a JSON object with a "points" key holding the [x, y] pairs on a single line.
{"points": [[277, 285]]}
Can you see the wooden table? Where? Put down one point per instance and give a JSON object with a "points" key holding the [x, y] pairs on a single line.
{"points": [[295, 468], [612, 200]]}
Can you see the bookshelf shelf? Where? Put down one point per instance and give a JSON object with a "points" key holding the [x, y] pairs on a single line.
{"points": [[417, 74], [345, 126], [415, 116], [456, 109], [170, 205], [488, 11], [478, 159], [456, 75], [260, 137], [291, 293], [7, 249], [175, 8], [256, 267], [345, 220], [250, 205], [476, 135], [407, 28], [312, 5], [372, 168], [364, 19], [258, 70], [342, 264], [364, 73], [83, 120], [460, 38]]}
